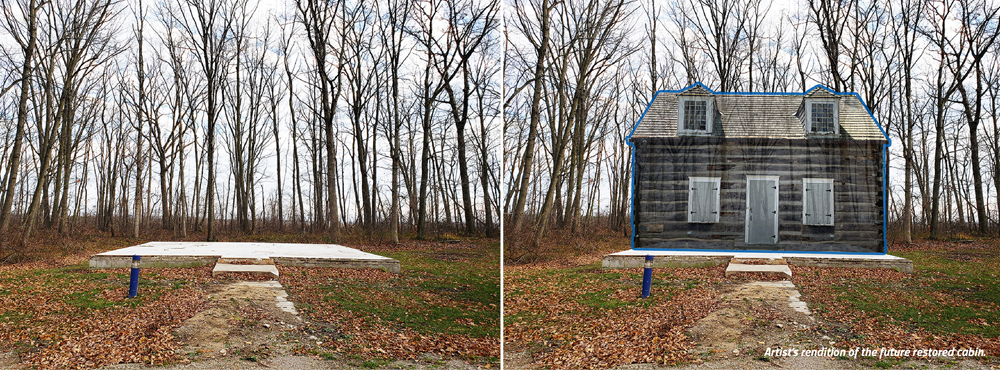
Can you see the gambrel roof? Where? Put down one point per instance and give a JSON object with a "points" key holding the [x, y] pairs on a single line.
{"points": [[759, 115]]}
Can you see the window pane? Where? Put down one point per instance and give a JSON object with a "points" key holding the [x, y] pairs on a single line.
{"points": [[696, 115], [822, 117]]}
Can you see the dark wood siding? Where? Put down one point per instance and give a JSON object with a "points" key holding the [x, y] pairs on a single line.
{"points": [[663, 166]]}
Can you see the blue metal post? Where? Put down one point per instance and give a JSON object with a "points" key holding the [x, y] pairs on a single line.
{"points": [[647, 275], [133, 281]]}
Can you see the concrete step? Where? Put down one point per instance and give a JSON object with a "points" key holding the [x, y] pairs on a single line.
{"points": [[221, 268], [246, 261], [758, 260], [736, 268]]}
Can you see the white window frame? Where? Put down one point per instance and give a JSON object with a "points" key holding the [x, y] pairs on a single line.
{"points": [[836, 116], [717, 181], [709, 115], [805, 199]]}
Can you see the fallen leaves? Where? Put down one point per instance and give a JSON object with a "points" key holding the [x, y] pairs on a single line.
{"points": [[590, 318], [74, 318]]}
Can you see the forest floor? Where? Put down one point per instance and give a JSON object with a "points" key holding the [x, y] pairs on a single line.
{"points": [[442, 311], [568, 313]]}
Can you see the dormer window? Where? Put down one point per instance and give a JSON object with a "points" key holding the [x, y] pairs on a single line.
{"points": [[822, 116], [695, 115]]}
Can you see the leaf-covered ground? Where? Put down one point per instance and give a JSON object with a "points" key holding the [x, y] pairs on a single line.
{"points": [[62, 315], [585, 317], [59, 316], [952, 300], [445, 302], [569, 313]]}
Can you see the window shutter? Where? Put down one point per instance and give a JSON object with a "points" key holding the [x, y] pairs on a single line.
{"points": [[703, 200], [818, 199]]}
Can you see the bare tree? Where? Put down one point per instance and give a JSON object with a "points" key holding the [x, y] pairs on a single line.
{"points": [[905, 41], [992, 82], [980, 27], [246, 136], [943, 89], [272, 81], [26, 36], [318, 19], [392, 31], [832, 17], [79, 35], [360, 71], [596, 40], [486, 100], [140, 110], [468, 26], [725, 30], [538, 36], [209, 25], [679, 11], [435, 55], [285, 45]]}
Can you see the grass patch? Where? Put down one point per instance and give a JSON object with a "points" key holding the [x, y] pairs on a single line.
{"points": [[432, 297], [608, 299], [89, 300], [936, 315], [951, 300], [15, 316], [887, 364], [522, 316], [374, 364], [944, 296], [445, 301]]}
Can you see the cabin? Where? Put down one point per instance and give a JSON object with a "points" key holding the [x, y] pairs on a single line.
{"points": [[789, 172]]}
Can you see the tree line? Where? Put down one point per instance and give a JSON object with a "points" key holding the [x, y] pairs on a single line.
{"points": [[579, 73], [191, 115]]}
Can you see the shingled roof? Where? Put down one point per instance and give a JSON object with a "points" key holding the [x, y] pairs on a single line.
{"points": [[758, 115]]}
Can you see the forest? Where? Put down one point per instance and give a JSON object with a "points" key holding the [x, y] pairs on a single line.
{"points": [[208, 116], [579, 74]]}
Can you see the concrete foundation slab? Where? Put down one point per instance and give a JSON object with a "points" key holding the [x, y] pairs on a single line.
{"points": [[188, 254], [736, 268], [634, 259]]}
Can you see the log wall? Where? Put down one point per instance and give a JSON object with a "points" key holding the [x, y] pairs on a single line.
{"points": [[663, 166]]}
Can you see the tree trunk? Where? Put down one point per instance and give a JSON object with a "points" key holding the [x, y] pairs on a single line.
{"points": [[541, 51], [14, 165]]}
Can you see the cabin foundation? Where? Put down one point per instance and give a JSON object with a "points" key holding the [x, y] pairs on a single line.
{"points": [[190, 254], [634, 259]]}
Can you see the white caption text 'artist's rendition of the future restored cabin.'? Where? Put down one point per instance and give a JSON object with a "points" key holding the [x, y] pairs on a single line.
{"points": [[758, 171]]}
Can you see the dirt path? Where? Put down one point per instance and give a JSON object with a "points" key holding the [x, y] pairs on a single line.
{"points": [[243, 319], [754, 316]]}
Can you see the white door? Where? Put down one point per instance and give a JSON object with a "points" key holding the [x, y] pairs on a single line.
{"points": [[762, 210]]}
